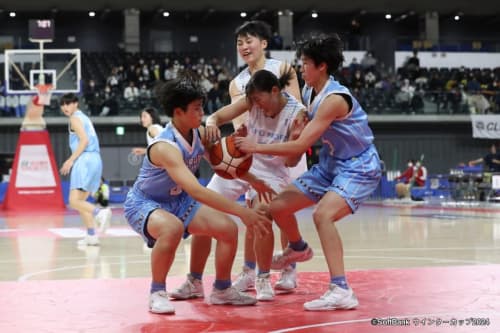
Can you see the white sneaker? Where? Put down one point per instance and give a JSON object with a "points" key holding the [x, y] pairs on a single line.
{"points": [[245, 280], [89, 240], [280, 261], [159, 303], [231, 296], [264, 289], [191, 288], [103, 219], [288, 280], [335, 298]]}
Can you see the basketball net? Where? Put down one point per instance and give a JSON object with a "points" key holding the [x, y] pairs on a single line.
{"points": [[44, 92]]}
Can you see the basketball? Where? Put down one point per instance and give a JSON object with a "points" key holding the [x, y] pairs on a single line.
{"points": [[227, 161]]}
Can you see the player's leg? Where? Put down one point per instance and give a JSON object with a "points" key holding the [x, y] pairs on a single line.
{"points": [[288, 275], [193, 286], [166, 230], [78, 201], [233, 189], [263, 247], [246, 278], [283, 209], [331, 208], [212, 223], [353, 181]]}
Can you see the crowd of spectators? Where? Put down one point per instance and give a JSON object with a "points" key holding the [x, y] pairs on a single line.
{"points": [[124, 83]]}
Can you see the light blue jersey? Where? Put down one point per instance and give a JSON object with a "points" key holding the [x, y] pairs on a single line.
{"points": [[87, 169], [344, 138], [155, 189], [348, 163], [93, 144]]}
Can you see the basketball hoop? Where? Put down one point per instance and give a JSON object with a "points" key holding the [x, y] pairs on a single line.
{"points": [[44, 93]]}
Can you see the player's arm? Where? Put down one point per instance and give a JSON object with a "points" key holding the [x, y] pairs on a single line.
{"points": [[333, 107], [167, 156], [229, 112], [293, 87], [295, 129], [235, 93], [77, 127]]}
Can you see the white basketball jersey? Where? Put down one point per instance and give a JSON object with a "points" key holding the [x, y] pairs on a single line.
{"points": [[265, 130], [150, 139], [241, 80]]}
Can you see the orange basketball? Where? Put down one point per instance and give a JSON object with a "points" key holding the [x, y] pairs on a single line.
{"points": [[227, 161]]}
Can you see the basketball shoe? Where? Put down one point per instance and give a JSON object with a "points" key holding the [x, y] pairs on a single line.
{"points": [[288, 279], [231, 296], [280, 261], [103, 219], [245, 280], [89, 240], [191, 288], [263, 288], [335, 298], [159, 303]]}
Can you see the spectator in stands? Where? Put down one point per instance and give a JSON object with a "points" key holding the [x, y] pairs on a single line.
{"points": [[413, 65], [276, 41], [405, 95], [476, 100], [92, 97], [491, 161], [131, 93], [214, 98], [369, 61], [109, 105], [113, 80]]}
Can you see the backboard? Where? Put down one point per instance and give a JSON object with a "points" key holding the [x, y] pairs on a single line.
{"points": [[25, 69]]}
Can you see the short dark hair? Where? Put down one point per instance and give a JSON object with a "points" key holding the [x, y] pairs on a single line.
{"points": [[178, 93], [68, 99], [259, 29], [264, 80], [155, 115], [327, 49]]}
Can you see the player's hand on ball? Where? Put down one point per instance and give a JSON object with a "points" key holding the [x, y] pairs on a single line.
{"points": [[245, 144], [212, 134]]}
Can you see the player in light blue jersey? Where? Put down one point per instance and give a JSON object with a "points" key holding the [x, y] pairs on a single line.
{"points": [[347, 173], [167, 201], [85, 165]]}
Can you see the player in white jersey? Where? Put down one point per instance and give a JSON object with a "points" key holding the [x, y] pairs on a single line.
{"points": [[150, 119], [273, 117], [85, 165], [347, 173], [252, 39]]}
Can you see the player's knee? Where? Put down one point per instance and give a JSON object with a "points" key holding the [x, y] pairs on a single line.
{"points": [[277, 207], [322, 215], [228, 232]]}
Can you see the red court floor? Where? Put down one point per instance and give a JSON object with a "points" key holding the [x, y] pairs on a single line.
{"points": [[434, 270]]}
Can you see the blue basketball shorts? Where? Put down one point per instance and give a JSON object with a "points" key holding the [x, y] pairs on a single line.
{"points": [[86, 172], [138, 207], [354, 179]]}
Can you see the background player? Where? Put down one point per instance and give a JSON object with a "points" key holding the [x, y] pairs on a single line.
{"points": [[150, 119], [347, 173], [85, 165]]}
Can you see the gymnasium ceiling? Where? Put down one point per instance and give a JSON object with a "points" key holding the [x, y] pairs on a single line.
{"points": [[467, 7]]}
